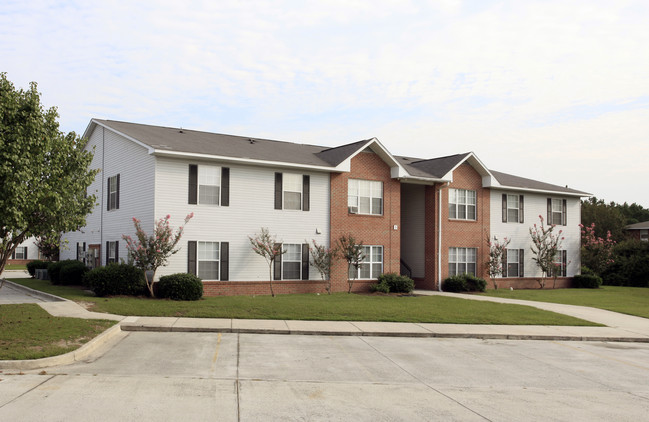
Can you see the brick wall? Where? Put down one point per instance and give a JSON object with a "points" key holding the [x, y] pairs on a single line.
{"points": [[370, 229], [231, 288]]}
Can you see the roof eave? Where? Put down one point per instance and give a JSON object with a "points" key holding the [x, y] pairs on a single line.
{"points": [[543, 191]]}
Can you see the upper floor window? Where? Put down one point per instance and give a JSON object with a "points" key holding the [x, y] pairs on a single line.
{"points": [[113, 193], [462, 261], [292, 191], [513, 211], [365, 197], [209, 185], [372, 265], [462, 204], [557, 211]]}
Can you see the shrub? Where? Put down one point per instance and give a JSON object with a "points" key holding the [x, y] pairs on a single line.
{"points": [[464, 283], [71, 272], [587, 281], [54, 270], [180, 286], [586, 271], [380, 287], [397, 283], [116, 279], [36, 265]]}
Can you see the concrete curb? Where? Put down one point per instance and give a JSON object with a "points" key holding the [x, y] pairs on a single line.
{"points": [[45, 296], [109, 336], [133, 327]]}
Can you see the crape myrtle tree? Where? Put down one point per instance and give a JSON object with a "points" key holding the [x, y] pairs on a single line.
{"points": [[497, 251], [322, 259], [545, 248], [149, 253], [353, 254], [44, 173], [265, 245], [48, 244]]}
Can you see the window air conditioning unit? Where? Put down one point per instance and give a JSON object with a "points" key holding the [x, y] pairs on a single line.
{"points": [[353, 210]]}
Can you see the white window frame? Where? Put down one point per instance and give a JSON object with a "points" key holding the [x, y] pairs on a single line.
{"points": [[297, 180], [356, 201], [458, 200], [289, 258], [557, 209], [23, 252], [112, 252], [511, 208], [370, 261], [513, 253], [458, 257], [558, 259], [644, 235], [201, 258], [207, 180], [112, 193]]}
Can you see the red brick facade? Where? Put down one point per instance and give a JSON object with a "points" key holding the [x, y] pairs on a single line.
{"points": [[370, 229]]}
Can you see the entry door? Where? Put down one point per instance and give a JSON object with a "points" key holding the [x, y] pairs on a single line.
{"points": [[94, 254]]}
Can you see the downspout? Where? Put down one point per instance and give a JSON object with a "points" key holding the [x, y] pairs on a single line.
{"points": [[101, 218], [439, 238]]}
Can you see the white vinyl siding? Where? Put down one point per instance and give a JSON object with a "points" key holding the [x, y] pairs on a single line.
{"points": [[462, 204], [462, 261], [207, 257], [209, 185], [365, 197]]}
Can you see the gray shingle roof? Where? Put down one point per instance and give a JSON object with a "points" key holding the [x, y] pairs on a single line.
{"points": [[434, 167], [521, 182], [638, 226]]}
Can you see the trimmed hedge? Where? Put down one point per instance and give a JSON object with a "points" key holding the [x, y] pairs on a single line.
{"points": [[54, 270], [116, 279], [394, 283], [72, 273], [36, 264], [587, 281], [180, 286], [379, 288], [464, 283]]}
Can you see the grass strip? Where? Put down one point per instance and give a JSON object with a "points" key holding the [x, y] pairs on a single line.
{"points": [[323, 307], [626, 300], [27, 331]]}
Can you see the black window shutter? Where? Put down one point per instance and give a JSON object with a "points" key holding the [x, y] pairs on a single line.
{"points": [[504, 262], [191, 257], [278, 191], [225, 186], [25, 251], [107, 252], [225, 261], [549, 220], [521, 262], [108, 194], [305, 261], [84, 250], [13, 254], [193, 184], [564, 219], [277, 265], [521, 209], [564, 262], [117, 251], [77, 251], [504, 207], [306, 179], [117, 200]]}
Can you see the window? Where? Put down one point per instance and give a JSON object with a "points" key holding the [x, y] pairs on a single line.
{"points": [[557, 211], [513, 263], [372, 265], [292, 261], [112, 252], [208, 260], [113, 193], [209, 185], [365, 197], [644, 235], [561, 263], [292, 191], [20, 252], [461, 261], [461, 204], [513, 211]]}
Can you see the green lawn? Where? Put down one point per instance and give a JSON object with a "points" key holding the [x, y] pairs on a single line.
{"points": [[15, 267], [28, 332], [626, 300], [337, 307]]}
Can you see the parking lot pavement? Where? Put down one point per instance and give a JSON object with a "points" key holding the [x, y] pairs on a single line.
{"points": [[249, 377], [10, 294]]}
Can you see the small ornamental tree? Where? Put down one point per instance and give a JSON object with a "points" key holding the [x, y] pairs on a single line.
{"points": [[265, 245], [322, 260], [596, 252], [545, 247], [149, 253], [48, 244], [497, 251], [353, 254]]}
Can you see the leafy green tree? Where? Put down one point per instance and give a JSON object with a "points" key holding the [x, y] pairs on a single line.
{"points": [[44, 173], [323, 257], [545, 247], [606, 217], [265, 245], [497, 251], [353, 254]]}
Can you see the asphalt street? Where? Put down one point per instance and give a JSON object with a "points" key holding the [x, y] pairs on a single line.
{"points": [[251, 377]]}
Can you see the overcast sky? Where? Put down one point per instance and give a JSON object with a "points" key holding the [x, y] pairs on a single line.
{"points": [[556, 91]]}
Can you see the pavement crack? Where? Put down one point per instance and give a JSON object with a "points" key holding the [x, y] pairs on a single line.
{"points": [[27, 392]]}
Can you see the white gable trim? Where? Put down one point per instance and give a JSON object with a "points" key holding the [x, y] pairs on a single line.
{"points": [[396, 169], [474, 161], [541, 191], [94, 123]]}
